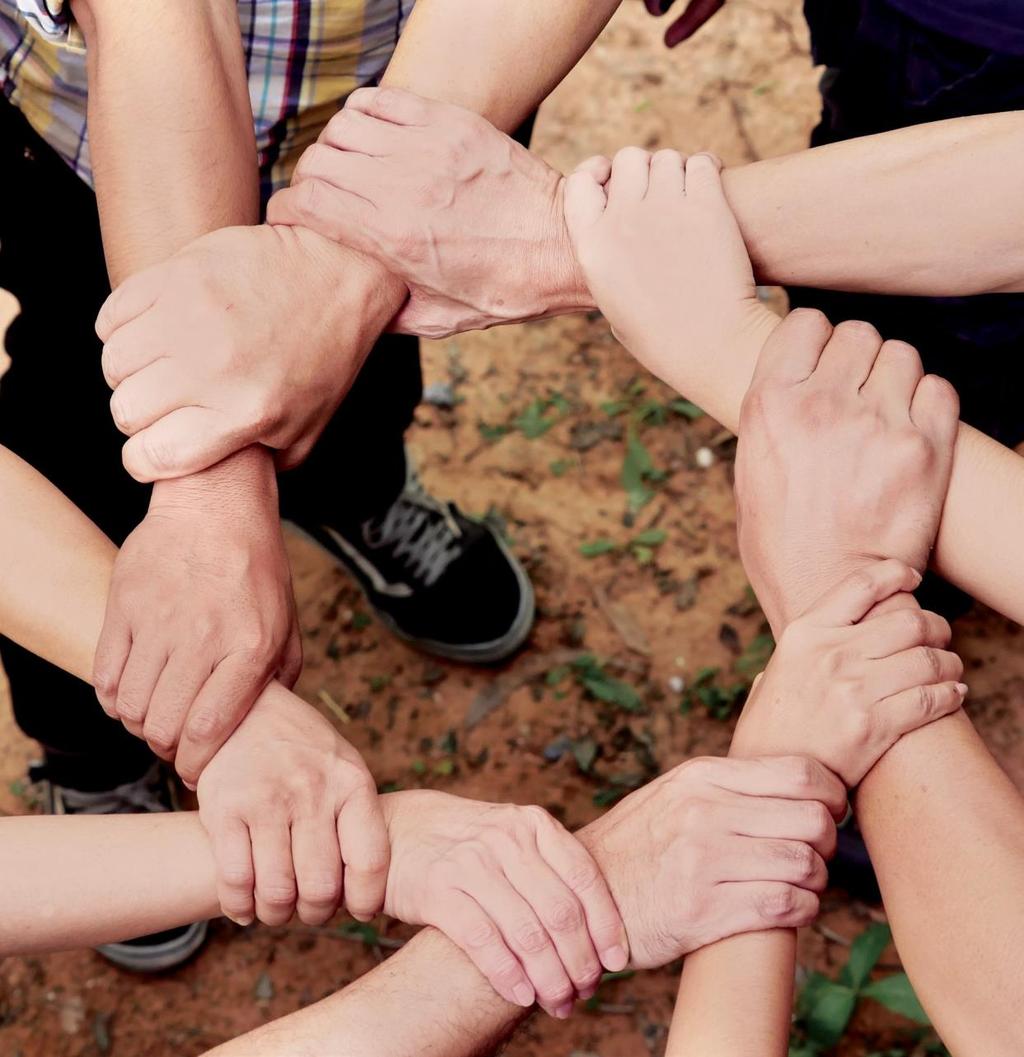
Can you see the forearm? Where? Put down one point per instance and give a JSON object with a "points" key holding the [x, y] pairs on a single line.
{"points": [[53, 594], [905, 212], [500, 59], [736, 998], [945, 829], [427, 1001], [169, 165], [156, 872]]}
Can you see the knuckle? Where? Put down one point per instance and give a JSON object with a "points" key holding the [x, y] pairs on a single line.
{"points": [[804, 860], [929, 662], [802, 771], [163, 457], [916, 624], [564, 915], [481, 934], [203, 725], [777, 904], [324, 889], [926, 701], [821, 822], [529, 937], [858, 330], [280, 893], [582, 876], [237, 875], [160, 739]]}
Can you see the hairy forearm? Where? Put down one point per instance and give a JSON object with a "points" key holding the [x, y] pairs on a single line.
{"points": [[500, 59], [931, 210], [170, 127], [427, 1000]]}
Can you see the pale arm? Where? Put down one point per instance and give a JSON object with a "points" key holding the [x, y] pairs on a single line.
{"points": [[500, 59], [53, 596], [930, 210]]}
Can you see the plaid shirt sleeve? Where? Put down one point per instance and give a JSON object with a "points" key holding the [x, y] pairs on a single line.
{"points": [[52, 18]]}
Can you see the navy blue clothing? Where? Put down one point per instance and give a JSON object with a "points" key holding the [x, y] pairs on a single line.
{"points": [[997, 25]]}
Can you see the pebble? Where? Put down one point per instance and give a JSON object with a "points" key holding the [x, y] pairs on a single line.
{"points": [[704, 458], [439, 394], [677, 684]]}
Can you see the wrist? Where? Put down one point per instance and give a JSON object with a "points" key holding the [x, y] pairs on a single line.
{"points": [[562, 286], [246, 479], [349, 280]]}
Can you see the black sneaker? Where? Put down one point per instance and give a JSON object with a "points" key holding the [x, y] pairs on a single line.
{"points": [[154, 792], [438, 580]]}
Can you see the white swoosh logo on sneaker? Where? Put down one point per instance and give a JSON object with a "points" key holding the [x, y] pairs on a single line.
{"points": [[371, 572]]}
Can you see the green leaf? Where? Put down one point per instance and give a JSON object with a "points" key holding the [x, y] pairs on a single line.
{"points": [[584, 751], [612, 408], [608, 796], [556, 675], [643, 555], [613, 691], [637, 468], [650, 538], [895, 993], [827, 1008], [360, 931], [532, 423], [560, 467], [492, 434], [865, 951], [595, 548], [687, 409]]}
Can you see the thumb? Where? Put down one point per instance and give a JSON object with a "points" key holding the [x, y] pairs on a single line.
{"points": [[184, 442], [853, 598], [584, 197]]}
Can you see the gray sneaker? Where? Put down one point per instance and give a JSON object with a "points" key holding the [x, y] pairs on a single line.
{"points": [[153, 792]]}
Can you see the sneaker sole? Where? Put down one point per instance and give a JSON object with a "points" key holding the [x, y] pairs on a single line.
{"points": [[493, 652], [158, 958]]}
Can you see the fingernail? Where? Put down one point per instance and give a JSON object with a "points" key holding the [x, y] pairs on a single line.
{"points": [[615, 959], [523, 995], [961, 689], [564, 1011], [242, 922], [917, 577]]}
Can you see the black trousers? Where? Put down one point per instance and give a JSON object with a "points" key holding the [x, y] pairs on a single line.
{"points": [[54, 413], [884, 71]]}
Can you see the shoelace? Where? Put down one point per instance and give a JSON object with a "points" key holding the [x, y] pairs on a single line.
{"points": [[421, 532], [131, 798]]}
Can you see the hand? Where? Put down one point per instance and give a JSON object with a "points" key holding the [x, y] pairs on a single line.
{"points": [[294, 818], [509, 885], [696, 13], [200, 615], [844, 459], [470, 220], [666, 264], [248, 335], [845, 692], [717, 847]]}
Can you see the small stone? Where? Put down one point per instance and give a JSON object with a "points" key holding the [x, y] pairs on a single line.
{"points": [[704, 458], [439, 394], [677, 684]]}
